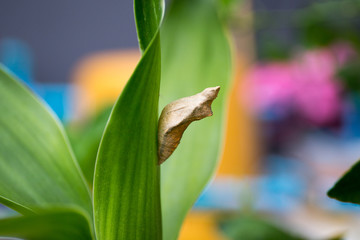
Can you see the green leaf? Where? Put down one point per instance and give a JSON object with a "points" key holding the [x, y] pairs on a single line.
{"points": [[347, 189], [126, 181], [349, 75], [253, 228], [148, 15], [37, 167], [55, 224], [85, 141], [196, 55]]}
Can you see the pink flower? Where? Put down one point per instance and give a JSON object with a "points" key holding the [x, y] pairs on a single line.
{"points": [[306, 85], [317, 96], [268, 86]]}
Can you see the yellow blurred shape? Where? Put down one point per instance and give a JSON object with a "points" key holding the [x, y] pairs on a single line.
{"points": [[200, 225], [101, 77], [241, 151]]}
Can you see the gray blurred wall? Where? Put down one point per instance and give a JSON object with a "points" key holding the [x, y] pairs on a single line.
{"points": [[60, 33]]}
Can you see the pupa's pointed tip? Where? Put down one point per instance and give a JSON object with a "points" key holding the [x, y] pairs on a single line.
{"points": [[216, 89], [211, 92]]}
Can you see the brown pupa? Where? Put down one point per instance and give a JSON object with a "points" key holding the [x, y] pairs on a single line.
{"points": [[177, 116]]}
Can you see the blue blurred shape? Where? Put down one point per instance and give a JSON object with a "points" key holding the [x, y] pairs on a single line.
{"points": [[351, 117], [16, 55], [57, 97]]}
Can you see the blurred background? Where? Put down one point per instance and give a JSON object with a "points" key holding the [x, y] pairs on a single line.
{"points": [[293, 124]]}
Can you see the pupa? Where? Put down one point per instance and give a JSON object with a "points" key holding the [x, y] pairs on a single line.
{"points": [[177, 116]]}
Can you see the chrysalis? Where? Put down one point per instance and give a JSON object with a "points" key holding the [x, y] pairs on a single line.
{"points": [[176, 117]]}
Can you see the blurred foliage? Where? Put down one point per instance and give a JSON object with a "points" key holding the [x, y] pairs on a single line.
{"points": [[228, 9], [251, 227], [350, 76], [318, 24], [85, 139], [275, 49], [54, 224], [324, 23]]}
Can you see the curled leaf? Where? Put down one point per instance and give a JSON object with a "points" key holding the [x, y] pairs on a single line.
{"points": [[177, 116]]}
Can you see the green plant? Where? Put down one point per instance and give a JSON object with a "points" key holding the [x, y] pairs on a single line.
{"points": [[251, 227], [41, 179], [347, 188]]}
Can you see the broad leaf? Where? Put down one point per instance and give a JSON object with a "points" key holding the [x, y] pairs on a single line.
{"points": [[55, 224], [347, 189], [148, 16], [85, 141], [253, 228], [196, 55], [37, 167], [126, 181]]}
